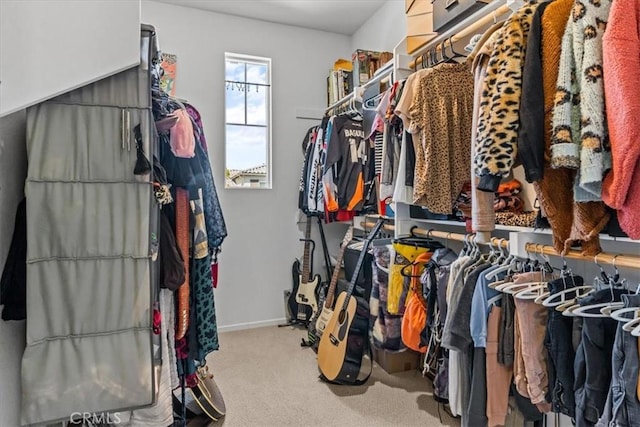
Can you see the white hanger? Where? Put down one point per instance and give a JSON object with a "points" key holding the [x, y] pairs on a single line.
{"points": [[542, 297], [576, 290], [515, 288], [636, 332], [493, 285], [587, 310], [501, 286], [619, 315], [563, 303], [508, 264], [631, 324], [538, 294], [530, 290], [535, 291], [567, 308]]}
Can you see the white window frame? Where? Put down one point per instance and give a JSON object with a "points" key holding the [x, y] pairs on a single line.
{"points": [[229, 56]]}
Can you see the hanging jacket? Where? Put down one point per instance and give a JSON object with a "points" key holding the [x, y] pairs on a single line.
{"points": [[569, 221], [580, 136], [621, 188], [214, 218], [531, 134], [498, 122], [308, 146]]}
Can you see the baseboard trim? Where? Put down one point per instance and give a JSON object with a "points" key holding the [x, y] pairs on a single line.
{"points": [[251, 325]]}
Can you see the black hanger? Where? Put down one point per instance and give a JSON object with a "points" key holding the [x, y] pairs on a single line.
{"points": [[443, 52], [455, 54], [444, 58], [418, 241]]}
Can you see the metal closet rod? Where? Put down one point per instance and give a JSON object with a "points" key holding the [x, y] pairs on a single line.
{"points": [[489, 13], [619, 260], [382, 73], [353, 96], [442, 235]]}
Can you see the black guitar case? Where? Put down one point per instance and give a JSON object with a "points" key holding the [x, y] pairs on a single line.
{"points": [[358, 334]]}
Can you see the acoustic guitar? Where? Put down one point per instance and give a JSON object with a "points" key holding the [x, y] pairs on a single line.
{"points": [[332, 351], [319, 322], [207, 395], [307, 287]]}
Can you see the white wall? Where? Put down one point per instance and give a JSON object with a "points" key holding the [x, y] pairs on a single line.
{"points": [[255, 264], [50, 47], [384, 30], [13, 171]]}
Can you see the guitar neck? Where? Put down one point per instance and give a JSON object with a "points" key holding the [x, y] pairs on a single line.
{"points": [[363, 254], [306, 259], [336, 271], [334, 279]]}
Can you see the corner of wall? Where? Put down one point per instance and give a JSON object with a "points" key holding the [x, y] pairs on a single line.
{"points": [[383, 30]]}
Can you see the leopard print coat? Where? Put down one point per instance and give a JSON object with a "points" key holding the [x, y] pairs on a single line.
{"points": [[498, 123], [580, 138]]}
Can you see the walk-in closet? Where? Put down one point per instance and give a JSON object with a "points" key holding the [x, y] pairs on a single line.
{"points": [[268, 213]]}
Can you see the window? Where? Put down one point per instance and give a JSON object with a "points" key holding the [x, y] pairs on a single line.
{"points": [[247, 121]]}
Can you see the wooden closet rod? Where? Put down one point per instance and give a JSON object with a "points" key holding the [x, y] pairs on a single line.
{"points": [[465, 30], [441, 234], [368, 224], [619, 260]]}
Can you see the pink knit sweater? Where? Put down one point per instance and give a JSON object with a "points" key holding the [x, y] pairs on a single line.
{"points": [[621, 187]]}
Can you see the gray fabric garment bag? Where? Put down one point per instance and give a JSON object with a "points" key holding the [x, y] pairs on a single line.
{"points": [[90, 272]]}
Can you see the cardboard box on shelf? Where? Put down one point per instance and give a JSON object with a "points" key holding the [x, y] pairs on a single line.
{"points": [[365, 64], [396, 361], [419, 24]]}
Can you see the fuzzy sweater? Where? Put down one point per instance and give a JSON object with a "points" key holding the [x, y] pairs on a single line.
{"points": [[569, 221], [580, 137], [621, 188], [498, 121]]}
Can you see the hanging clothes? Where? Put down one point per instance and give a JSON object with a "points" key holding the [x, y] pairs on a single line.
{"points": [[308, 144], [498, 122], [561, 351], [347, 148], [385, 328], [580, 136], [621, 187], [621, 407], [441, 115], [482, 218]]}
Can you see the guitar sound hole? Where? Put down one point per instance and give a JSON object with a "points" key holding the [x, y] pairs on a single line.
{"points": [[341, 316]]}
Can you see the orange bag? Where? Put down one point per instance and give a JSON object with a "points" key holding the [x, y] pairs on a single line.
{"points": [[414, 322], [414, 319]]}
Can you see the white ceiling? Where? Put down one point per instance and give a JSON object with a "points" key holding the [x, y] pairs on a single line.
{"points": [[337, 16]]}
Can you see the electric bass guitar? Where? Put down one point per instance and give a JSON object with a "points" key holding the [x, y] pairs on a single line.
{"points": [[307, 287], [298, 312], [332, 351], [322, 317]]}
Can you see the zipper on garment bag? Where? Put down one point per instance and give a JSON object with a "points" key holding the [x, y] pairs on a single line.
{"points": [[122, 127], [128, 129]]}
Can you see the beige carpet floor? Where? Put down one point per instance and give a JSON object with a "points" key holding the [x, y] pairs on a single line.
{"points": [[267, 380]]}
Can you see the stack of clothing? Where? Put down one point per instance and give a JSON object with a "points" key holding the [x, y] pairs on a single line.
{"points": [[507, 205]]}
